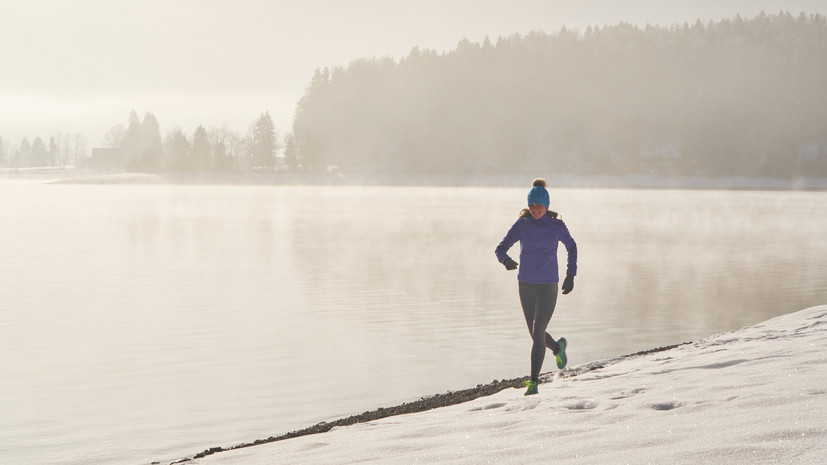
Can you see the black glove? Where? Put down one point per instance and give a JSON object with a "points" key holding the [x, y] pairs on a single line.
{"points": [[568, 284], [510, 264]]}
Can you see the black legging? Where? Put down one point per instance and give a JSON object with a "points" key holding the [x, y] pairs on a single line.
{"points": [[538, 302]]}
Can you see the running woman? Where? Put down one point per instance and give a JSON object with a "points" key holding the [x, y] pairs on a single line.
{"points": [[539, 230]]}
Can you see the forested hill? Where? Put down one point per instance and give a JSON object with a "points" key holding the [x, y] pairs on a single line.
{"points": [[742, 96]]}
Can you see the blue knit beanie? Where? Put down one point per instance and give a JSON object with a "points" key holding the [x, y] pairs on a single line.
{"points": [[539, 195]]}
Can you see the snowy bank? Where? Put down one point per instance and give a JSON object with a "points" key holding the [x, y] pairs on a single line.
{"points": [[756, 395], [630, 181]]}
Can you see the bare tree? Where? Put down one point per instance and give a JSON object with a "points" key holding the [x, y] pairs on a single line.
{"points": [[61, 146], [80, 146], [114, 137], [225, 144]]}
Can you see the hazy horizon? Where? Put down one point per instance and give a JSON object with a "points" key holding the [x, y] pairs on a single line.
{"points": [[82, 67]]}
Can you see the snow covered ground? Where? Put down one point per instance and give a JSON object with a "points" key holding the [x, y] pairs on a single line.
{"points": [[756, 395]]}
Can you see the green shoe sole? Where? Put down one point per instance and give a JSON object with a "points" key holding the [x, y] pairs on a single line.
{"points": [[561, 354], [532, 388]]}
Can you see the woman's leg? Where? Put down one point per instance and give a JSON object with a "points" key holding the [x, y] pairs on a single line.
{"points": [[538, 302], [552, 344], [528, 299]]}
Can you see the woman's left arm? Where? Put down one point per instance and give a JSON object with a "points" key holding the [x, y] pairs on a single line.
{"points": [[571, 249]]}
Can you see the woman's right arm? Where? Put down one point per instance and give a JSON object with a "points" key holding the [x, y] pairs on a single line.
{"points": [[509, 240]]}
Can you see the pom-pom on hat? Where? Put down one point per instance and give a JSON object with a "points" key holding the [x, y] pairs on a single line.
{"points": [[538, 193]]}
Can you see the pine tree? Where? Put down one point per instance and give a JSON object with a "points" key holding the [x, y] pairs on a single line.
{"points": [[24, 153], [151, 147], [178, 152], [133, 137], [290, 151], [311, 122], [52, 154], [264, 143], [39, 152], [200, 153]]}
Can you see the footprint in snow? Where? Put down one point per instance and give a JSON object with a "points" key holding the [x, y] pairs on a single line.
{"points": [[488, 407], [582, 405], [627, 394], [673, 404]]}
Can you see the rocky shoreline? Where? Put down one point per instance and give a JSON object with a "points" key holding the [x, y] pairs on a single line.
{"points": [[421, 405]]}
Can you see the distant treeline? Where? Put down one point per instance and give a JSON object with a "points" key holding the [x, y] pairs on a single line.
{"points": [[60, 150], [734, 97], [743, 97], [140, 147]]}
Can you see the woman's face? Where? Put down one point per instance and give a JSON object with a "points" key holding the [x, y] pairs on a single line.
{"points": [[537, 210]]}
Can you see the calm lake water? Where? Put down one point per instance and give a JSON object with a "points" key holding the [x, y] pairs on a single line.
{"points": [[148, 323]]}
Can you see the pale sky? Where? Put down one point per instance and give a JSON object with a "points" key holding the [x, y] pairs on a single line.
{"points": [[83, 65]]}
